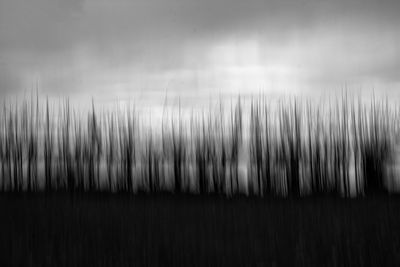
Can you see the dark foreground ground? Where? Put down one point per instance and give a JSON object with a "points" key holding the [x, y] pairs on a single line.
{"points": [[118, 230]]}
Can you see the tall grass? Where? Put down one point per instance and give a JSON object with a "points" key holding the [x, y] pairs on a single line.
{"points": [[291, 148]]}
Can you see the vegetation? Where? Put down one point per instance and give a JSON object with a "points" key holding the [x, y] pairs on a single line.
{"points": [[291, 148]]}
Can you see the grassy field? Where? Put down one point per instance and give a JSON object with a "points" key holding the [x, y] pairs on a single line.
{"points": [[189, 230], [291, 147]]}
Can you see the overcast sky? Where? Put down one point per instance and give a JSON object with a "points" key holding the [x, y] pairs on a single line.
{"points": [[196, 49]]}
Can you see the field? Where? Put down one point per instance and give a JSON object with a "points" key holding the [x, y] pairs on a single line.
{"points": [[188, 230], [345, 147], [260, 184]]}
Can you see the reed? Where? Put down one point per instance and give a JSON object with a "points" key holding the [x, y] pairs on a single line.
{"points": [[294, 148]]}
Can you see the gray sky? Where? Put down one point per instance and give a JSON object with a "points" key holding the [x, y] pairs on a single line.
{"points": [[195, 49]]}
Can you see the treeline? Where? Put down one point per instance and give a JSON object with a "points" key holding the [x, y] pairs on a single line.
{"points": [[287, 148]]}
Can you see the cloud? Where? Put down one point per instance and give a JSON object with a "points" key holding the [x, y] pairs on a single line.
{"points": [[90, 45]]}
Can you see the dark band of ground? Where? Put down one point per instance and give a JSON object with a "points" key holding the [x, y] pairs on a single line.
{"points": [[167, 230]]}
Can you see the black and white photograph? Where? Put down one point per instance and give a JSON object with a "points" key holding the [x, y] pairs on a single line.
{"points": [[199, 133]]}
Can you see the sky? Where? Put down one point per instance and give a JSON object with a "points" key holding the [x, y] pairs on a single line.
{"points": [[143, 50]]}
